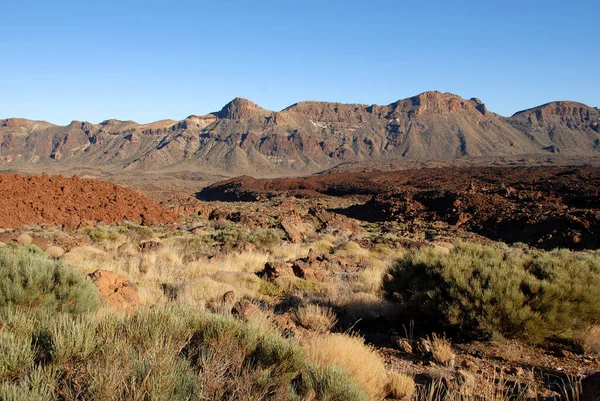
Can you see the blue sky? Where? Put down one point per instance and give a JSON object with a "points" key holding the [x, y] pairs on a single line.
{"points": [[151, 60]]}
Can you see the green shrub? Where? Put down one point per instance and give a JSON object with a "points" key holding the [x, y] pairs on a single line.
{"points": [[135, 232], [29, 278], [264, 238], [101, 233], [483, 291]]}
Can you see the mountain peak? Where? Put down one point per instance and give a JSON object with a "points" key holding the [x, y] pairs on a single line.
{"points": [[241, 108]]}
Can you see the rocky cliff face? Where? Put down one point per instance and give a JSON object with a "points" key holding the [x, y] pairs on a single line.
{"points": [[243, 138]]}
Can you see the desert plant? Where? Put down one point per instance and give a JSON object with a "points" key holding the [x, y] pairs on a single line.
{"points": [[481, 291], [101, 233], [135, 232], [589, 340], [164, 353], [441, 350], [264, 238], [361, 362], [315, 318], [400, 386], [29, 278]]}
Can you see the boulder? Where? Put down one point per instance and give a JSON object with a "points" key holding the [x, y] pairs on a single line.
{"points": [[294, 229], [116, 290], [301, 270], [244, 309]]}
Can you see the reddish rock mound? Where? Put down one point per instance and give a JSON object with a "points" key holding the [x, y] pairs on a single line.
{"points": [[73, 202]]}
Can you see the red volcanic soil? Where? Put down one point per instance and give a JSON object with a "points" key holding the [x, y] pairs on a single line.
{"points": [[545, 207], [72, 202]]}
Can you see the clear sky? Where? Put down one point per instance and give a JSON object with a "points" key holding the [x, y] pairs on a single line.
{"points": [[151, 60]]}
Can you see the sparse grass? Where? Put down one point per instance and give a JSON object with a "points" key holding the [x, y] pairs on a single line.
{"points": [[482, 291], [361, 362], [320, 319]]}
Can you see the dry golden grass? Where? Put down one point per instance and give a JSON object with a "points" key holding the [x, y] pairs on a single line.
{"points": [[589, 340], [320, 319], [441, 350], [370, 278], [351, 250], [361, 362], [400, 386], [54, 252]]}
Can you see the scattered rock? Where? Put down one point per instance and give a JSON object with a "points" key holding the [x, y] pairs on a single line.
{"points": [[150, 246], [305, 272], [273, 270], [244, 309], [294, 229]]}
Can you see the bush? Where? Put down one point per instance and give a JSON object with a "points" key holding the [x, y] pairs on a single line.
{"points": [[101, 233], [164, 353], [136, 232], [264, 238], [29, 278], [483, 291], [401, 386], [315, 318], [362, 363]]}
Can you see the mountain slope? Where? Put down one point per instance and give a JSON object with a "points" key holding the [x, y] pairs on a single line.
{"points": [[243, 138]]}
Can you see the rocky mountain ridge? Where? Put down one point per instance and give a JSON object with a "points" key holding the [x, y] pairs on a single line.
{"points": [[307, 137]]}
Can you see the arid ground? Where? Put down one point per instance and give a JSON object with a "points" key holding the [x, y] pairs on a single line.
{"points": [[433, 284]]}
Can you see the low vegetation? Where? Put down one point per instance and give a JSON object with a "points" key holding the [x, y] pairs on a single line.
{"points": [[484, 291], [29, 279]]}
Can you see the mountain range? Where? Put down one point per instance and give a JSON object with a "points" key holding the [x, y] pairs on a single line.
{"points": [[307, 137]]}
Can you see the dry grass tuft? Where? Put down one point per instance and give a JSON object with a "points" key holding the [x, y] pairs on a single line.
{"points": [[441, 350], [24, 239], [400, 386], [361, 362], [54, 252], [320, 319]]}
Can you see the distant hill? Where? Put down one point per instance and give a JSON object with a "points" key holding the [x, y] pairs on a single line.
{"points": [[304, 138]]}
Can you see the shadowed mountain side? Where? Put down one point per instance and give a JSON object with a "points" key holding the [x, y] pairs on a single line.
{"points": [[304, 138]]}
